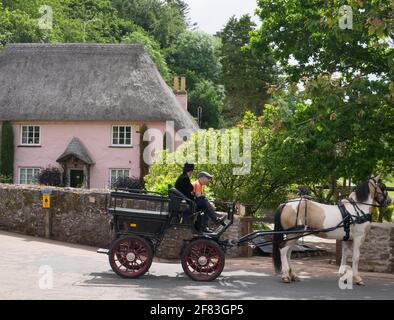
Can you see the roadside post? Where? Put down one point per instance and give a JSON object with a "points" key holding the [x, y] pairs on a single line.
{"points": [[46, 204]]}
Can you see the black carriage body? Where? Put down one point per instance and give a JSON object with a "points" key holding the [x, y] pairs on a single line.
{"points": [[149, 214], [139, 214]]}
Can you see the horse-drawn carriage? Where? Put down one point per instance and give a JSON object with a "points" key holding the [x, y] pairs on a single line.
{"points": [[139, 230], [140, 220]]}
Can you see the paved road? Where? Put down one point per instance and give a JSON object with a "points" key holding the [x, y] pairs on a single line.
{"points": [[80, 273]]}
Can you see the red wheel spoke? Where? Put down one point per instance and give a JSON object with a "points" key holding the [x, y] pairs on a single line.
{"points": [[131, 257], [203, 260]]}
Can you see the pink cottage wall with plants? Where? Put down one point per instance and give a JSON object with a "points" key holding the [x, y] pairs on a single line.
{"points": [[96, 137]]}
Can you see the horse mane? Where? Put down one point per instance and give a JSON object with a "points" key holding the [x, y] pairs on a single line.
{"points": [[362, 192]]}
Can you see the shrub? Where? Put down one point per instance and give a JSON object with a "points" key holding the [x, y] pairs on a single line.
{"points": [[7, 150], [5, 179], [388, 213], [128, 183], [50, 176]]}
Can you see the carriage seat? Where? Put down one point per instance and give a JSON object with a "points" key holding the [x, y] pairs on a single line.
{"points": [[180, 205]]}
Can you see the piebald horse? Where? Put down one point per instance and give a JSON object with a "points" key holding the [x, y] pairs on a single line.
{"points": [[304, 214]]}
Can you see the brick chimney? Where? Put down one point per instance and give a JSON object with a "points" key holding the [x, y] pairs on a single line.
{"points": [[180, 90]]}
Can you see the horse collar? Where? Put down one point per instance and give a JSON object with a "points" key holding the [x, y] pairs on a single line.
{"points": [[348, 219]]}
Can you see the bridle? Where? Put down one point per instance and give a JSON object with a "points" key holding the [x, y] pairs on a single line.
{"points": [[383, 192]]}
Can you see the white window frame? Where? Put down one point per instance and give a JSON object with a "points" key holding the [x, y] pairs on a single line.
{"points": [[34, 176], [117, 175], [118, 136], [39, 135]]}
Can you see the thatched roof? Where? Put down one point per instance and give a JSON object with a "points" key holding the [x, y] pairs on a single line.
{"points": [[76, 149], [85, 82]]}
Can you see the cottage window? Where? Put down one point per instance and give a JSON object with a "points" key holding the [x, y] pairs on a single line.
{"points": [[118, 173], [28, 175], [121, 136], [30, 135]]}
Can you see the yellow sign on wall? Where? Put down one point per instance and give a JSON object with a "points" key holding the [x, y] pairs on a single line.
{"points": [[46, 201]]}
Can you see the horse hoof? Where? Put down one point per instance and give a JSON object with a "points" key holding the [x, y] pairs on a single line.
{"points": [[286, 280], [296, 279], [360, 283]]}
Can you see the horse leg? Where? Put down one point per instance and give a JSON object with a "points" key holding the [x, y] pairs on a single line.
{"points": [[285, 263], [346, 250], [357, 242], [292, 274]]}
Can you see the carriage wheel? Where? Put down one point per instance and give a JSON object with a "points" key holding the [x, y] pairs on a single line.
{"points": [[131, 257], [203, 260]]}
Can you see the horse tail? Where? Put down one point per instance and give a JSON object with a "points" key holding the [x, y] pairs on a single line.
{"points": [[277, 240]]}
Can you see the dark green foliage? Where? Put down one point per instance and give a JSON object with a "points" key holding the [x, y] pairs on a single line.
{"points": [[7, 151], [128, 183], [206, 96], [162, 19], [246, 79], [196, 52], [195, 56], [50, 176]]}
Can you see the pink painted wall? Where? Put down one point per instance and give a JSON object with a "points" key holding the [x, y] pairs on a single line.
{"points": [[95, 135]]}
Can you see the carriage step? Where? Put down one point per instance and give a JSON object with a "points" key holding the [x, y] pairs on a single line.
{"points": [[103, 251]]}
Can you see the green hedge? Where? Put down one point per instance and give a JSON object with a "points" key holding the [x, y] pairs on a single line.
{"points": [[7, 151]]}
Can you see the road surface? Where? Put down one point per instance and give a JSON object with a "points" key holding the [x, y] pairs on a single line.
{"points": [[33, 268]]}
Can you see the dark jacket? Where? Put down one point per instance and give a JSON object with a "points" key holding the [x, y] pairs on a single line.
{"points": [[184, 185]]}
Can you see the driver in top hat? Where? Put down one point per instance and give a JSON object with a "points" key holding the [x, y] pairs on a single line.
{"points": [[183, 183]]}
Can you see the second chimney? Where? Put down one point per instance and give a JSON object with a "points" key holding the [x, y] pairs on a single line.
{"points": [[180, 90]]}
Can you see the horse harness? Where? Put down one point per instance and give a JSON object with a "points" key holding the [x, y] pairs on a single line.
{"points": [[348, 219]]}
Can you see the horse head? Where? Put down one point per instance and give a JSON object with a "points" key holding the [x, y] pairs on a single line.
{"points": [[373, 189]]}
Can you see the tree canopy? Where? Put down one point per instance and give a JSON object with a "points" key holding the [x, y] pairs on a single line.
{"points": [[246, 78]]}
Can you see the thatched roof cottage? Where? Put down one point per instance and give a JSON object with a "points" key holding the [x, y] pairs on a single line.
{"points": [[80, 106]]}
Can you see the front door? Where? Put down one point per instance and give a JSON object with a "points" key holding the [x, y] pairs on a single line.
{"points": [[76, 178]]}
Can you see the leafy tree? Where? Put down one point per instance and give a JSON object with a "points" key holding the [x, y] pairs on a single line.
{"points": [[184, 11], [7, 151], [196, 52], [331, 128], [162, 19], [17, 26], [206, 96], [261, 188], [196, 57], [246, 79], [316, 142], [288, 25], [98, 19]]}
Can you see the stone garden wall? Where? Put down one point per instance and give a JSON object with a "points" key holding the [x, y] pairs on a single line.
{"points": [[77, 216], [377, 252], [80, 216]]}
